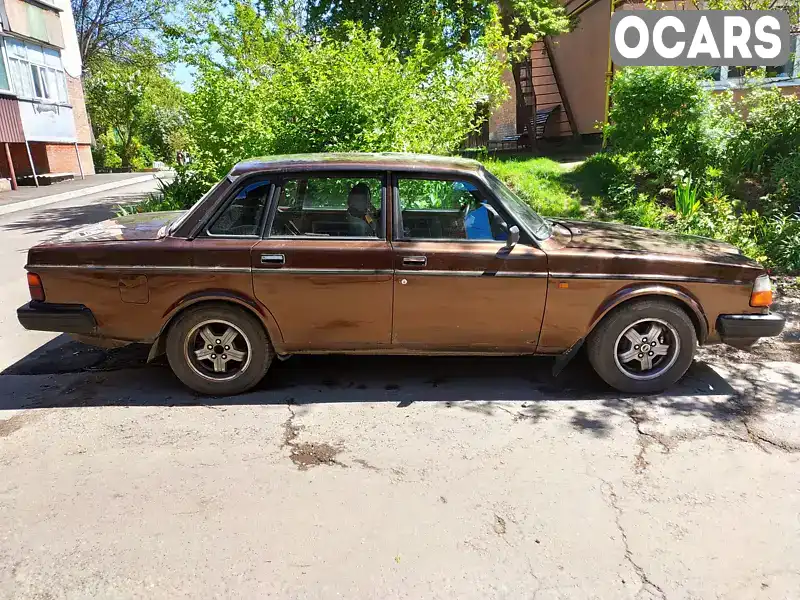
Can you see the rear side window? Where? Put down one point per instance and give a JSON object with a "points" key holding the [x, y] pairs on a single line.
{"points": [[243, 216]]}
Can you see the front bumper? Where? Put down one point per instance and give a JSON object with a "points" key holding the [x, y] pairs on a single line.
{"points": [[63, 318], [732, 328]]}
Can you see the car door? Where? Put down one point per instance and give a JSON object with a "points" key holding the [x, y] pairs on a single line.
{"points": [[458, 287], [324, 269]]}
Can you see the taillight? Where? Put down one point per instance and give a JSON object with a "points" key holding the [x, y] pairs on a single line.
{"points": [[762, 292], [35, 286]]}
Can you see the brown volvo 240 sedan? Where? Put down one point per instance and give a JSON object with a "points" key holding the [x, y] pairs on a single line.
{"points": [[391, 253]]}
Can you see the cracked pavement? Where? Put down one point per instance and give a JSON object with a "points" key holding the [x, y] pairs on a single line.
{"points": [[364, 477], [398, 477]]}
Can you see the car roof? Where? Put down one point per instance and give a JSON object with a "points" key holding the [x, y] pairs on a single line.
{"points": [[370, 161]]}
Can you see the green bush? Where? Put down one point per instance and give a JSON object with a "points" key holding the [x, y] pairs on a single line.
{"points": [[667, 120], [783, 243], [285, 92], [772, 131], [179, 194], [785, 185]]}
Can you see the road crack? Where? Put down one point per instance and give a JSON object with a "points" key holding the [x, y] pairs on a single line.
{"points": [[765, 443], [648, 589], [644, 438], [306, 454]]}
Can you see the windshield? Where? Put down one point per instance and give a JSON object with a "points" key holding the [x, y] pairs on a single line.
{"points": [[519, 208], [180, 220]]}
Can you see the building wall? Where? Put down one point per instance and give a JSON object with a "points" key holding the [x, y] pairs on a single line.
{"points": [[35, 22], [503, 121], [83, 131], [62, 158], [547, 93], [581, 57], [52, 153]]}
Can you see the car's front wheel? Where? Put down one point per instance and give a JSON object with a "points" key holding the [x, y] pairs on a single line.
{"points": [[218, 350], [643, 347]]}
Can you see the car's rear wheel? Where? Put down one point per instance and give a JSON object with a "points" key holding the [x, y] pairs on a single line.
{"points": [[643, 347], [218, 350]]}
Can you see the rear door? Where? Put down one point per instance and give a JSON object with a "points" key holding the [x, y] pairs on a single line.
{"points": [[326, 274], [458, 288]]}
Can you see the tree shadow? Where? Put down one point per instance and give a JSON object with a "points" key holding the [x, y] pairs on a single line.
{"points": [[65, 373], [49, 219]]}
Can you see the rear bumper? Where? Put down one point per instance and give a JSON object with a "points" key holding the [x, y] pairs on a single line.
{"points": [[749, 327], [65, 318]]}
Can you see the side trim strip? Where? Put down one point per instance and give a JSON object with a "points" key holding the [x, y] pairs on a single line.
{"points": [[302, 271], [139, 268], [435, 273], [648, 277]]}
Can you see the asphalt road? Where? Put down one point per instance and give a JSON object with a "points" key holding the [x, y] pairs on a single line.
{"points": [[376, 477]]}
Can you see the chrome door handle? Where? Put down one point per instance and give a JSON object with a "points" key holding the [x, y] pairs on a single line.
{"points": [[273, 259], [415, 261]]}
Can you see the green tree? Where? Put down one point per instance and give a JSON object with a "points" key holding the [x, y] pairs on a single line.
{"points": [[137, 111], [112, 28], [278, 90]]}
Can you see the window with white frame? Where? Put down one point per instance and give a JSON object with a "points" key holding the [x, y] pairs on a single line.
{"points": [[789, 72], [36, 72]]}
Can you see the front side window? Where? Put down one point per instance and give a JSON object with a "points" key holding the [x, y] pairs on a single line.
{"points": [[432, 209], [330, 207], [244, 214]]}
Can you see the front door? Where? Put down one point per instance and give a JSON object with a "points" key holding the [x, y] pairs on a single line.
{"points": [[458, 288], [324, 267]]}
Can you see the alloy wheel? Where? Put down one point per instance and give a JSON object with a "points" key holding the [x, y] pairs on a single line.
{"points": [[646, 349], [217, 350]]}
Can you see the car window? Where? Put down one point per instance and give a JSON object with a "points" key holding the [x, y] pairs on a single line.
{"points": [[242, 217], [448, 210], [329, 207]]}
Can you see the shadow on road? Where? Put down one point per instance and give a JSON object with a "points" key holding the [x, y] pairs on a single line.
{"points": [[401, 379], [72, 216]]}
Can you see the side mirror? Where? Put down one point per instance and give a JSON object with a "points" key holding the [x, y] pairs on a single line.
{"points": [[513, 237]]}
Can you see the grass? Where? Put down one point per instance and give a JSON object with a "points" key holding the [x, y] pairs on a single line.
{"points": [[549, 187]]}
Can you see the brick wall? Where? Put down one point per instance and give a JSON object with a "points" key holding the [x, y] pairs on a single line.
{"points": [[503, 121], [19, 157], [47, 158], [78, 102], [62, 158]]}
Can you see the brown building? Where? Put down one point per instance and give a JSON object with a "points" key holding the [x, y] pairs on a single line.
{"points": [[44, 128], [569, 72]]}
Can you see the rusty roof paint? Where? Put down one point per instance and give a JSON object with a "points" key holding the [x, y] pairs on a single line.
{"points": [[357, 160]]}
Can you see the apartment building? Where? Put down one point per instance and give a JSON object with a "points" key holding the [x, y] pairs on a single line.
{"points": [[44, 127]]}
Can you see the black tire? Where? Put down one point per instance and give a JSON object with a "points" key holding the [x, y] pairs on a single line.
{"points": [[200, 375], [610, 336]]}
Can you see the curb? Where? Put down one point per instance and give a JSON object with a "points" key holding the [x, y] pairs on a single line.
{"points": [[45, 200]]}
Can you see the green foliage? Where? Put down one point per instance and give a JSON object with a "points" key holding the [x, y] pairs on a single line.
{"points": [[420, 194], [445, 28], [667, 120], [687, 202], [542, 182], [135, 109], [785, 184], [179, 194], [783, 243], [283, 92], [772, 132]]}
